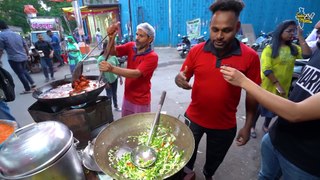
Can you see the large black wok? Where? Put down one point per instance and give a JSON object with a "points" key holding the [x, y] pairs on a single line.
{"points": [[67, 101], [116, 134]]}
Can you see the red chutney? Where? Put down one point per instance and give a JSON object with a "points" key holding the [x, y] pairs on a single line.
{"points": [[5, 131]]}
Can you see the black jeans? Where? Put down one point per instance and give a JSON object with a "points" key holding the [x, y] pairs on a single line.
{"points": [[218, 144], [112, 92], [20, 68]]}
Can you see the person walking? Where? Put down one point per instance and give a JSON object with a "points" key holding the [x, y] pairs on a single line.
{"points": [[214, 102], [99, 38], [141, 63], [111, 79], [73, 51], [55, 43], [277, 62], [45, 51], [18, 55]]}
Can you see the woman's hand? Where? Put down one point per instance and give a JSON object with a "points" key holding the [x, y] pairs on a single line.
{"points": [[233, 76], [299, 32], [280, 89]]}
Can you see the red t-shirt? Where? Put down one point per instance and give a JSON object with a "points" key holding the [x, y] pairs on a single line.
{"points": [[214, 101], [137, 90]]}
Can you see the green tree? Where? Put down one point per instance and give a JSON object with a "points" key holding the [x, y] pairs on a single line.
{"points": [[12, 11]]}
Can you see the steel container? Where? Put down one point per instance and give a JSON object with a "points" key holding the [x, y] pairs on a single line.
{"points": [[43, 150]]}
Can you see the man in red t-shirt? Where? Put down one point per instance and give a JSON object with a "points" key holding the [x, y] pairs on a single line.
{"points": [[214, 102], [141, 63]]}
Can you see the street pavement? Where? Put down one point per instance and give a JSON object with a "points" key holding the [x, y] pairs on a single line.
{"points": [[241, 163]]}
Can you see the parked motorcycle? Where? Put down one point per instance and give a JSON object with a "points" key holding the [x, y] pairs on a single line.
{"points": [[184, 46], [33, 65], [242, 38], [123, 40], [262, 41]]}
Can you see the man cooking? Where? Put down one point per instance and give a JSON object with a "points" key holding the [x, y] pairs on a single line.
{"points": [[141, 63]]}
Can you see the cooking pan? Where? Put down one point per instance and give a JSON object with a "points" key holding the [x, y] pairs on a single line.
{"points": [[71, 100], [117, 133]]}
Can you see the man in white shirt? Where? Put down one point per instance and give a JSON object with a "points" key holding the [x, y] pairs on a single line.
{"points": [[314, 37]]}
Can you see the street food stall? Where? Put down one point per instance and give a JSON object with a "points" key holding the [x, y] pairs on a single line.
{"points": [[60, 144]]}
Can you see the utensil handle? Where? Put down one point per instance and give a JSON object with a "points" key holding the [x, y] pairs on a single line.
{"points": [[110, 45], [157, 117], [93, 48], [163, 96]]}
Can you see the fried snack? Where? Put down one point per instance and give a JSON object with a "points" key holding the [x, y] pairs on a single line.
{"points": [[79, 85]]}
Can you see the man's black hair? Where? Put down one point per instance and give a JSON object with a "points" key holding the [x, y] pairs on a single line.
{"points": [[227, 5], [49, 31], [3, 25]]}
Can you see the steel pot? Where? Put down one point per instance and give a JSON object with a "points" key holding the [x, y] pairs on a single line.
{"points": [[41, 151], [117, 133], [67, 101]]}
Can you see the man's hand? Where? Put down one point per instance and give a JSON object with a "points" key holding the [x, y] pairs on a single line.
{"points": [[113, 29], [243, 137], [104, 66], [181, 80]]}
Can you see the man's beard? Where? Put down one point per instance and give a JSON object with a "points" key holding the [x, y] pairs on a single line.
{"points": [[141, 46]]}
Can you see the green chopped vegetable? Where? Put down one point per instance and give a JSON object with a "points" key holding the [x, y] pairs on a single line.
{"points": [[168, 156]]}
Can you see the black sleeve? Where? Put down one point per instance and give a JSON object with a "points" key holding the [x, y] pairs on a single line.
{"points": [[49, 45], [36, 45]]}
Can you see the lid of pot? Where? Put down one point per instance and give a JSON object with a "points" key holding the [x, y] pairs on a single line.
{"points": [[33, 148]]}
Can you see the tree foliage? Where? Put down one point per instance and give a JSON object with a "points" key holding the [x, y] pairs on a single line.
{"points": [[12, 11]]}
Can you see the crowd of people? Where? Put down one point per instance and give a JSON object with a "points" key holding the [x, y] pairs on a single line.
{"points": [[221, 67]]}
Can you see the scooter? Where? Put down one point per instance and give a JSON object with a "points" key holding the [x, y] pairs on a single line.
{"points": [[262, 41], [33, 64], [184, 46]]}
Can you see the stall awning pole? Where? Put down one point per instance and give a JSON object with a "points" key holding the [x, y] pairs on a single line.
{"points": [[77, 15]]}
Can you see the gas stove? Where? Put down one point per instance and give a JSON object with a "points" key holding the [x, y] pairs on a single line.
{"points": [[83, 120]]}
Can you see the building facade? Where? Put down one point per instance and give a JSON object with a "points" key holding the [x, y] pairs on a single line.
{"points": [[170, 17]]}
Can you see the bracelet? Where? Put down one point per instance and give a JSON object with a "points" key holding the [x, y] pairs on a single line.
{"points": [[274, 82]]}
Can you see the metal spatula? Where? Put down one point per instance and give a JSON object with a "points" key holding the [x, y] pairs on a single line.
{"points": [[79, 67]]}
